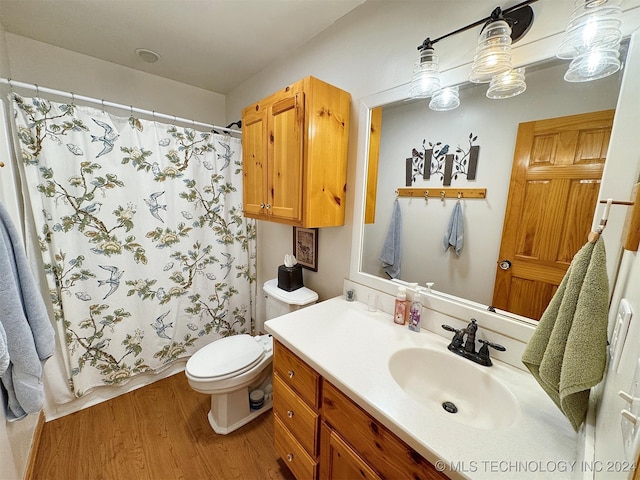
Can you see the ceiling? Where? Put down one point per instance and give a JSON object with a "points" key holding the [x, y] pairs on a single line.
{"points": [[212, 44]]}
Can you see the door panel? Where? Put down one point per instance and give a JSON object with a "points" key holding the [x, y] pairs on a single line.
{"points": [[286, 156], [254, 166], [553, 193]]}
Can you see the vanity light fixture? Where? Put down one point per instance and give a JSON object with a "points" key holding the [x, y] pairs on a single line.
{"points": [[493, 54], [507, 85], [592, 40], [425, 80], [445, 99]]}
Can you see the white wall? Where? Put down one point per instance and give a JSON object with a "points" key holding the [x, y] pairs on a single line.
{"points": [[495, 123], [31, 61]]}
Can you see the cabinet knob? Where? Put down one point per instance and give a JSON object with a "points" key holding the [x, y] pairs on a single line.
{"points": [[290, 457], [262, 205], [291, 373], [268, 206], [290, 413]]}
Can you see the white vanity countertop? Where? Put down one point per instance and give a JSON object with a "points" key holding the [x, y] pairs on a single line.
{"points": [[351, 348]]}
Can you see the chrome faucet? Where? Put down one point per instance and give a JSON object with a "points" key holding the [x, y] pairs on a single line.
{"points": [[467, 348]]}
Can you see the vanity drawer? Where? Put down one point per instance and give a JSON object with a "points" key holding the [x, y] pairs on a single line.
{"points": [[294, 455], [296, 415], [386, 453], [297, 374]]}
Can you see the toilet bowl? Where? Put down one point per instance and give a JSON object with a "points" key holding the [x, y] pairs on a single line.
{"points": [[236, 371]]}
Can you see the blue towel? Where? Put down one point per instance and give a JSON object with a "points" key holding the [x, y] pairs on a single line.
{"points": [[4, 353], [23, 314], [391, 250], [455, 230]]}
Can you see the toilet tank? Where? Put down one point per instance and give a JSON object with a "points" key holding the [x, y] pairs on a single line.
{"points": [[279, 302]]}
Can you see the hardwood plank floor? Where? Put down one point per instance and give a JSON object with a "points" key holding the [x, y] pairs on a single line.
{"points": [[158, 432]]}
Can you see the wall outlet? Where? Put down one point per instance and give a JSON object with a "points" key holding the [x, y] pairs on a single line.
{"points": [[630, 421], [619, 335]]}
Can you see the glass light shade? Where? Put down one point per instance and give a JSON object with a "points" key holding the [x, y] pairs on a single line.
{"points": [[426, 78], [445, 99], [507, 85], [593, 64], [593, 24], [493, 53]]}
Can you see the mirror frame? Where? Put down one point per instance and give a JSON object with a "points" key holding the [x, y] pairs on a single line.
{"points": [[519, 328]]}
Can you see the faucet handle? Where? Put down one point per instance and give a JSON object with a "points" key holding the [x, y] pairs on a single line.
{"points": [[493, 345], [449, 328]]}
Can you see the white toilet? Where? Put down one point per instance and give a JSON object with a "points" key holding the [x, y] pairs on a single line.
{"points": [[236, 371]]}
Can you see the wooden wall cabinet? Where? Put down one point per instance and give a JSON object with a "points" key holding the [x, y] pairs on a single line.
{"points": [[294, 155], [321, 433]]}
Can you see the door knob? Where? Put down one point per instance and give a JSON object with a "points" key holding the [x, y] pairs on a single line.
{"points": [[505, 264]]}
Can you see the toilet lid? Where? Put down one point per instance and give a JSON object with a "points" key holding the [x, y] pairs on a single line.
{"points": [[226, 357]]}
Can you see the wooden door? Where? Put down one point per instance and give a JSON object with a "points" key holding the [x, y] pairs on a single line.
{"points": [[254, 162], [555, 180], [286, 158]]}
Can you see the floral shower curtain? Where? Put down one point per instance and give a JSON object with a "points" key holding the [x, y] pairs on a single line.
{"points": [[147, 255]]}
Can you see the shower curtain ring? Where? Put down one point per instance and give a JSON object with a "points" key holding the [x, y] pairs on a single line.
{"points": [[37, 90], [73, 99], [131, 111], [102, 102]]}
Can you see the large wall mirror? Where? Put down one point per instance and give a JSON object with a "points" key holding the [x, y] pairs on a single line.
{"points": [[410, 126]]}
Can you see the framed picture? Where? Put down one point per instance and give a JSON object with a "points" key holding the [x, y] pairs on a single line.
{"points": [[305, 247]]}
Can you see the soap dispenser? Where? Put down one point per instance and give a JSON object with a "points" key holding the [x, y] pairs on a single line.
{"points": [[415, 312], [400, 310]]}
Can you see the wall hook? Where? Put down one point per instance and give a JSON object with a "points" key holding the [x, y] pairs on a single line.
{"points": [[459, 195], [442, 194]]}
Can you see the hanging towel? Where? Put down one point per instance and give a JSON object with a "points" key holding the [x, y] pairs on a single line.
{"points": [[4, 353], [455, 230], [390, 255], [567, 352], [29, 333]]}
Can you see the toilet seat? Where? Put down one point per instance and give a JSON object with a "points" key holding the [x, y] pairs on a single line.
{"points": [[225, 358]]}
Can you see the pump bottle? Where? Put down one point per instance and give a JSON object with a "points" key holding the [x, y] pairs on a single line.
{"points": [[400, 310], [415, 312]]}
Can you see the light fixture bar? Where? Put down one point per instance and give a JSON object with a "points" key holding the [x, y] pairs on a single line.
{"points": [[495, 14]]}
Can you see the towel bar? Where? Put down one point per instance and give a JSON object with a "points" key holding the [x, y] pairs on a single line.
{"points": [[442, 192]]}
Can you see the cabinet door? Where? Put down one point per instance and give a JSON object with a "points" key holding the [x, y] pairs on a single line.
{"points": [[254, 162], [286, 157], [339, 461]]}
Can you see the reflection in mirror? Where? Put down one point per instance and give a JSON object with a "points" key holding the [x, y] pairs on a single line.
{"points": [[493, 126]]}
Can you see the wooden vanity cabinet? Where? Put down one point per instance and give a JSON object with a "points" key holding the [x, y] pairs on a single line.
{"points": [[321, 433], [294, 155], [296, 400]]}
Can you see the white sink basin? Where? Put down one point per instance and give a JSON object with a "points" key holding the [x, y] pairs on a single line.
{"points": [[433, 377]]}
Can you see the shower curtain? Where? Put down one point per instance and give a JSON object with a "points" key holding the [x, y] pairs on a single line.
{"points": [[147, 255]]}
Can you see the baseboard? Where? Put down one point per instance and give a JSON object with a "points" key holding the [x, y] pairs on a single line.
{"points": [[35, 444]]}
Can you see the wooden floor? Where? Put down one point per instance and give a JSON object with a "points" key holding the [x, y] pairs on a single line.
{"points": [[158, 432]]}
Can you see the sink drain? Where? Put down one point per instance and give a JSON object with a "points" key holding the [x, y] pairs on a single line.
{"points": [[450, 407]]}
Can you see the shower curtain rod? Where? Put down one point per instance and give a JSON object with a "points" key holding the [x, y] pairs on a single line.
{"points": [[105, 103]]}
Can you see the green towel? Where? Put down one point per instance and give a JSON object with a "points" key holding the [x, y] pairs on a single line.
{"points": [[567, 352]]}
